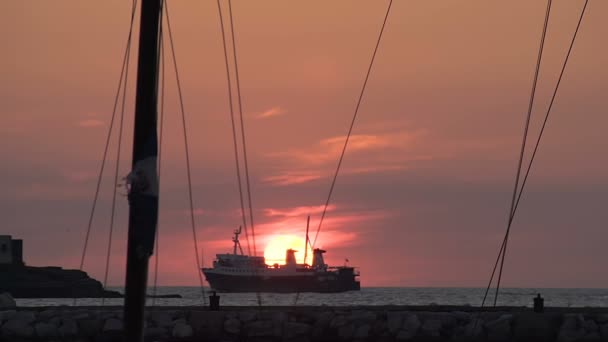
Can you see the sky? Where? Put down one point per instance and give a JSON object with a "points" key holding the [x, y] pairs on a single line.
{"points": [[425, 187]]}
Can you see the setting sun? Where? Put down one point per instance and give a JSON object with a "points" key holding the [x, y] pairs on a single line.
{"points": [[275, 250]]}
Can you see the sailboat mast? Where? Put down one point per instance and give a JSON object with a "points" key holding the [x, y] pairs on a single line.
{"points": [[307, 240], [143, 179]]}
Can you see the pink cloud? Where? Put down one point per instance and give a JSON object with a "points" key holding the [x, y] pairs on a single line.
{"points": [[89, 123], [274, 111], [291, 178], [297, 211]]}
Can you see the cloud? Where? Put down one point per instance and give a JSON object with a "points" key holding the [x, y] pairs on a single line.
{"points": [[291, 178], [274, 111], [89, 123], [297, 211]]}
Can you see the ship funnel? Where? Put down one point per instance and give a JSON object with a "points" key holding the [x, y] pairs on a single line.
{"points": [[290, 258], [317, 259]]}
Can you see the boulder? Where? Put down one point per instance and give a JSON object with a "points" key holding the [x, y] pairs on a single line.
{"points": [[248, 316], [68, 328], [160, 319], [536, 327], [432, 328], [89, 327], [112, 325], [7, 301], [262, 329], [410, 327], [155, 332], [45, 330], [362, 332], [6, 315], [499, 329], [345, 332], [207, 323], [294, 329], [394, 321], [25, 316], [17, 328], [604, 332], [572, 328], [232, 326], [182, 330]]}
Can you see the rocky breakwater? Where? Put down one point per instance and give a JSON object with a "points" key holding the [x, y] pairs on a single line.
{"points": [[50, 282], [305, 324]]}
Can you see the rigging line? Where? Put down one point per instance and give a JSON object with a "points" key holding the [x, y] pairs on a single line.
{"points": [[107, 145], [522, 153], [234, 135], [540, 137], [352, 124], [116, 169], [189, 176], [238, 92], [161, 60], [244, 142]]}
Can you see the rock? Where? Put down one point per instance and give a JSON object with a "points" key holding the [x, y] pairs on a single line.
{"points": [[68, 328], [262, 329], [410, 327], [362, 332], [248, 316], [346, 332], [294, 329], [182, 330], [45, 330], [536, 327], [338, 321], [601, 318], [89, 327], [394, 321], [207, 323], [590, 326], [474, 329], [17, 328], [604, 332], [363, 317], [47, 314], [26, 316], [499, 329], [161, 319], [112, 325], [431, 327], [572, 328], [592, 337], [232, 326], [6, 315], [7, 301], [278, 317], [153, 332]]}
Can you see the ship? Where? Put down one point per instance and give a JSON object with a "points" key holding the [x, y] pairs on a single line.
{"points": [[237, 272]]}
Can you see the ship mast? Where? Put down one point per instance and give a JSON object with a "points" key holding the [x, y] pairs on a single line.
{"points": [[236, 241], [143, 179]]}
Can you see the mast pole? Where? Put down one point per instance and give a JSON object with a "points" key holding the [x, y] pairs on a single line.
{"points": [[307, 240], [143, 179]]}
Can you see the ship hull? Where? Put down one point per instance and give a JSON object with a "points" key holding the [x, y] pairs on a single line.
{"points": [[325, 283]]}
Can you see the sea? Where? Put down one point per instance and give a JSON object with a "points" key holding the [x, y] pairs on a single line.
{"points": [[195, 296]]}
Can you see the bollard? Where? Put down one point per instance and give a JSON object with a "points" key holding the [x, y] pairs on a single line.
{"points": [[214, 302], [539, 303]]}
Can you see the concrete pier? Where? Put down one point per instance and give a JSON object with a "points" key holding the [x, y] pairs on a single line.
{"points": [[370, 323]]}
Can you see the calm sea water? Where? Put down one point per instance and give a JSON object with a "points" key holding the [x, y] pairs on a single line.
{"points": [[192, 296]]}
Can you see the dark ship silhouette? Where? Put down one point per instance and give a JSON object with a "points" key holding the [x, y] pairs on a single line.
{"points": [[236, 272]]}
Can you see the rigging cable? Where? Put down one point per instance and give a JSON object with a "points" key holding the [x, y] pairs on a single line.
{"points": [[107, 144], [245, 162], [538, 141], [181, 102], [234, 136], [161, 61], [522, 151], [116, 169], [350, 130]]}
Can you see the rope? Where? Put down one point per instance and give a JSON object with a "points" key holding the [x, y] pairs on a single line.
{"points": [[350, 129], [238, 92], [161, 60], [107, 144], [189, 176], [234, 136], [118, 150], [523, 146]]}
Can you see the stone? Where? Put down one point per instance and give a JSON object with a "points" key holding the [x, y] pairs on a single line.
{"points": [[474, 329], [232, 326], [590, 326], [572, 328], [7, 301], [68, 328], [248, 316], [294, 329], [499, 329], [182, 330], [45, 330], [261, 329], [161, 319], [6, 315], [410, 327], [431, 327], [362, 332], [274, 316], [601, 318], [530, 326], [361, 316], [394, 321], [154, 332], [592, 337], [604, 332], [47, 314], [338, 321], [89, 327], [207, 323], [345, 332], [112, 325], [17, 328], [25, 316]]}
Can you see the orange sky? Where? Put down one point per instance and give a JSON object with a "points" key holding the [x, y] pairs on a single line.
{"points": [[425, 188]]}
